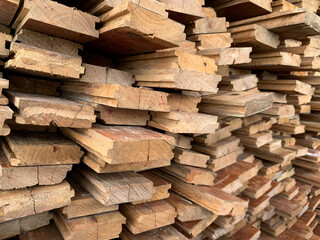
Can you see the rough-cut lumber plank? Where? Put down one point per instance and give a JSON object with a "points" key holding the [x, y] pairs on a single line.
{"points": [[83, 203], [211, 41], [8, 10], [219, 149], [5, 114], [207, 25], [24, 202], [123, 144], [172, 69], [184, 11], [22, 83], [290, 24], [98, 74], [186, 210], [257, 186], [285, 86], [33, 149], [24, 225], [43, 63], [273, 60], [280, 110], [183, 103], [191, 158], [43, 41], [254, 36], [58, 20], [194, 228], [34, 109], [117, 96], [183, 122], [49, 232], [148, 216], [21, 177], [129, 28], [114, 188], [103, 226], [182, 141], [4, 40], [240, 104], [120, 116], [101, 166], [161, 187], [211, 198], [168, 232], [237, 9], [188, 174], [228, 56]]}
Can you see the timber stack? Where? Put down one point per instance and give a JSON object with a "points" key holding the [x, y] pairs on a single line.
{"points": [[159, 119]]}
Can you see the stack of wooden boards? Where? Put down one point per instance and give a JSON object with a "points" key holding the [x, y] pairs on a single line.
{"points": [[183, 119]]}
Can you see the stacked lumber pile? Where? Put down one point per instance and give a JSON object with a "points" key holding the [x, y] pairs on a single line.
{"points": [[183, 119]]}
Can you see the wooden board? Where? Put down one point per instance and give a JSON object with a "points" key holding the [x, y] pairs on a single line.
{"points": [[21, 177], [235, 9], [168, 232], [240, 104], [190, 158], [58, 20], [47, 42], [148, 216], [117, 96], [290, 24], [183, 122], [211, 198], [188, 174], [101, 166], [25, 225], [43, 63], [83, 203], [186, 210], [8, 10], [32, 149], [103, 226], [123, 144], [114, 188], [161, 187], [34, 109], [25, 202], [125, 32]]}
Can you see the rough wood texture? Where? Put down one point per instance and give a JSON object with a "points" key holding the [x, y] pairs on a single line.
{"points": [[44, 63], [34, 148], [117, 96], [44, 41], [24, 225], [182, 122], [21, 177], [240, 104], [83, 203], [186, 210], [129, 29], [24, 202], [103, 226], [8, 10], [114, 188], [172, 69], [211, 198], [236, 9], [101, 166], [159, 233], [148, 216], [58, 20], [122, 144], [42, 110]]}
